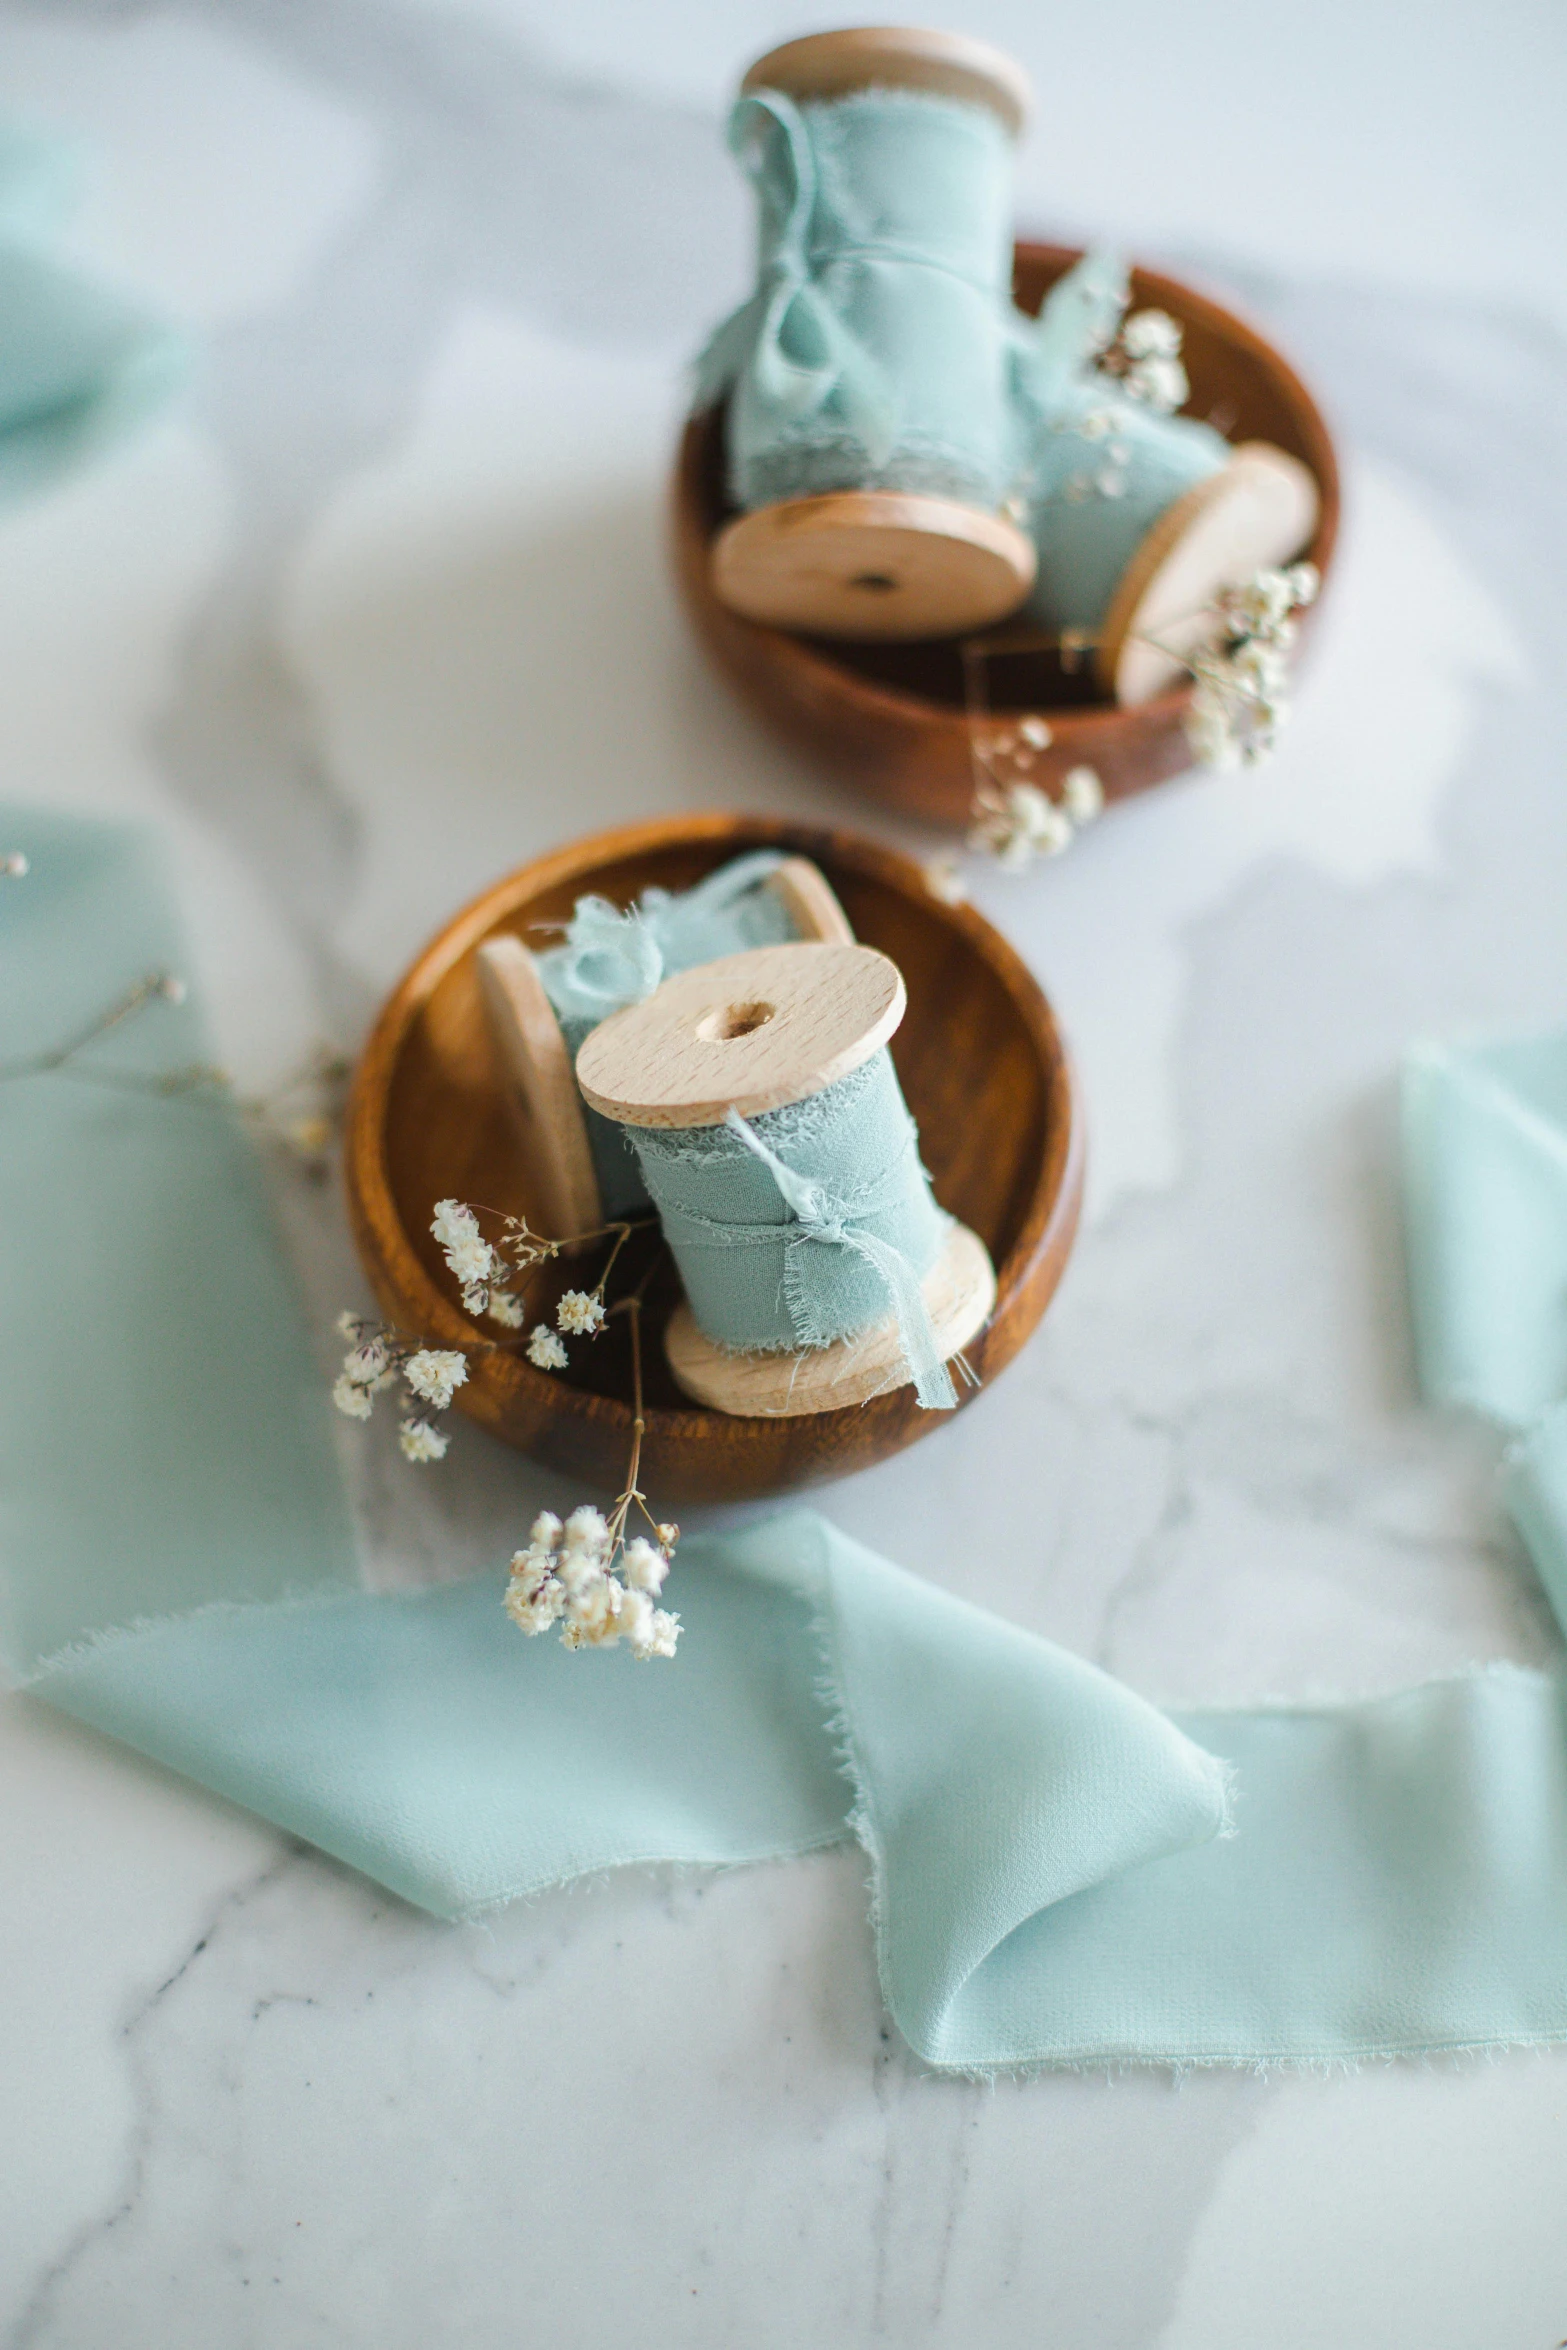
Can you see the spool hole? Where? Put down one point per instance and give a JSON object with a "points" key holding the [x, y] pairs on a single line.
{"points": [[732, 1020], [875, 583]]}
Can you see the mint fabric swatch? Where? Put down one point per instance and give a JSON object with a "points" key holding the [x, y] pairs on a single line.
{"points": [[79, 363], [1061, 1873], [1485, 1150]]}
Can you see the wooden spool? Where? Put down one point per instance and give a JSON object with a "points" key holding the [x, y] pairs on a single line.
{"points": [[880, 565], [1259, 510], [898, 57], [755, 1032], [541, 1085], [891, 719]]}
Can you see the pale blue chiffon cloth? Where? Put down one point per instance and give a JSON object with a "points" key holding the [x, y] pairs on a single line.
{"points": [[1053, 1880], [79, 363]]}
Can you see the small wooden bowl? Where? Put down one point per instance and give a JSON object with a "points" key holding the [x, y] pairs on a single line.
{"points": [[890, 718], [981, 1062]]}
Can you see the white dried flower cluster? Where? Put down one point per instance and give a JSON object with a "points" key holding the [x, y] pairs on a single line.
{"points": [[1015, 822], [567, 1576], [1240, 700], [469, 1256], [377, 1357], [1140, 364], [14, 865], [1153, 374], [436, 1373], [944, 880], [485, 1270], [579, 1314]]}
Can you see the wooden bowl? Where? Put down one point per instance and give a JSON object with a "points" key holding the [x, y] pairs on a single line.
{"points": [[982, 1064], [890, 718]]}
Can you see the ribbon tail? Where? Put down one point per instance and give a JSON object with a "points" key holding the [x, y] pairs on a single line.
{"points": [[724, 354], [1081, 314], [801, 353], [921, 1353], [820, 1222]]}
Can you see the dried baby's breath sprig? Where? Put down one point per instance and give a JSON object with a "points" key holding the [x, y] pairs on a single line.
{"points": [[378, 1356], [1240, 699], [545, 1351], [153, 987], [586, 1574], [1012, 818], [304, 1113], [493, 1274], [1017, 822], [14, 866], [1144, 361]]}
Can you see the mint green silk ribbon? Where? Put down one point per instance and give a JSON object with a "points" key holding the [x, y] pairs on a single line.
{"points": [[1485, 1145], [841, 1222], [1053, 1878], [1083, 433], [79, 363], [806, 1224], [612, 958], [876, 350]]}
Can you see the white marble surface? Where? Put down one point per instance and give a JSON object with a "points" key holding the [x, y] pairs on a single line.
{"points": [[379, 611]]}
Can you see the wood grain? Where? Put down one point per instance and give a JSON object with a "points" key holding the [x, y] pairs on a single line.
{"points": [[889, 718], [872, 563], [751, 1032], [959, 1291], [983, 1069], [907, 57], [807, 898], [541, 1089], [1259, 511]]}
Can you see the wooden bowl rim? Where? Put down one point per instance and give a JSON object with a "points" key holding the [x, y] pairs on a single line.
{"points": [[398, 1274], [875, 697]]}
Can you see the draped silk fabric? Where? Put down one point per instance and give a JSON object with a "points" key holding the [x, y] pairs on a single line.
{"points": [[79, 363], [1060, 1872]]}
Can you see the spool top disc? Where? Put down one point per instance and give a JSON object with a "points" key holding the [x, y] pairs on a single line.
{"points": [[749, 1033], [898, 57]]}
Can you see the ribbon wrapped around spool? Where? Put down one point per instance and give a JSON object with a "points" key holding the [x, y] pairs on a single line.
{"points": [[1138, 518], [775, 1142], [872, 428], [543, 1007]]}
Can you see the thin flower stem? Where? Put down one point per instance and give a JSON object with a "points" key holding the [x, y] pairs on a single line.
{"points": [[631, 1307], [624, 1234], [153, 983]]}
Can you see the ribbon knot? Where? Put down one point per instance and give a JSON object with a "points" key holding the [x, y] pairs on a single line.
{"points": [[828, 1222], [610, 959], [787, 350]]}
